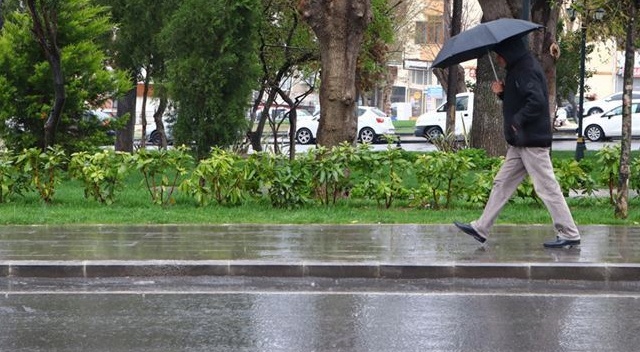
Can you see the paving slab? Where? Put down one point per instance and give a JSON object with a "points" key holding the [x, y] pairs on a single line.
{"points": [[607, 253]]}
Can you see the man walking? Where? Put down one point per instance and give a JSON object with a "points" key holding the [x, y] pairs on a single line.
{"points": [[527, 130]]}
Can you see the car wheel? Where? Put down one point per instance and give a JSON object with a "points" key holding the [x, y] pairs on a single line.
{"points": [[304, 136], [367, 135], [594, 133], [594, 111], [155, 138], [433, 133]]}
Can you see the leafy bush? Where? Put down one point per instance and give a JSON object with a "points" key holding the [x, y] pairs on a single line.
{"points": [[442, 178], [221, 177], [332, 170], [12, 182], [608, 167], [572, 177], [42, 169], [385, 172], [163, 170], [102, 174]]}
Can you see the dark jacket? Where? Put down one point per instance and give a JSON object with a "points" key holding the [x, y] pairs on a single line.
{"points": [[525, 99]]}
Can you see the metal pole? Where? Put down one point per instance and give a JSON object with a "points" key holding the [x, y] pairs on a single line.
{"points": [[580, 146]]}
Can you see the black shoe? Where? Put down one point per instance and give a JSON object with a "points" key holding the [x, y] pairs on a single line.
{"points": [[466, 228], [561, 243]]}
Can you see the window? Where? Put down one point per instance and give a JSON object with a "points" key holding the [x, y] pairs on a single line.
{"points": [[462, 103], [430, 31], [435, 30], [421, 32], [420, 77]]}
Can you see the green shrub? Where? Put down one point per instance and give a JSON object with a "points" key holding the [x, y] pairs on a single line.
{"points": [[42, 169], [442, 177], [384, 174], [221, 177], [608, 168], [572, 177], [331, 171], [163, 170], [102, 174], [12, 182]]}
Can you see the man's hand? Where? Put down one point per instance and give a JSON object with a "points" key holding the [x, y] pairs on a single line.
{"points": [[497, 87]]}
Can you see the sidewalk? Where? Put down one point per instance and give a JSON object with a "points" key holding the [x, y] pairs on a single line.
{"points": [[607, 253]]}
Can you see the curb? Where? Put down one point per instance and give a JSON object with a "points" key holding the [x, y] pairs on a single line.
{"points": [[122, 268]]}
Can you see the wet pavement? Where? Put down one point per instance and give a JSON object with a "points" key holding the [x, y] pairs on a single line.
{"points": [[607, 253], [316, 314], [310, 288]]}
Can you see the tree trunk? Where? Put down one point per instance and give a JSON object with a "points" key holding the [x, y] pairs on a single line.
{"points": [[124, 137], [339, 26], [51, 124], [157, 117], [45, 30], [487, 131], [544, 46], [143, 109], [622, 198], [255, 137]]}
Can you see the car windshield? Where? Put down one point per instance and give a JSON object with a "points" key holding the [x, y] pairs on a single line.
{"points": [[461, 104], [618, 110], [378, 112]]}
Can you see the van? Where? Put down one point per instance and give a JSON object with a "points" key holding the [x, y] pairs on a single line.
{"points": [[433, 124]]}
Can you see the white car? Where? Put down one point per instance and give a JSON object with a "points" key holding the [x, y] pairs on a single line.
{"points": [[597, 127], [373, 125], [607, 103], [432, 124]]}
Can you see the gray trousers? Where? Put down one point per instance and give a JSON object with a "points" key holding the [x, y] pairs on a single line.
{"points": [[537, 163]]}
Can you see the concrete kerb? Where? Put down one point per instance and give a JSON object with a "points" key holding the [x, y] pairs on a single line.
{"points": [[602, 272]]}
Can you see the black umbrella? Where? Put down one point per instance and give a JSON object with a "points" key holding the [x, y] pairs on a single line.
{"points": [[478, 40]]}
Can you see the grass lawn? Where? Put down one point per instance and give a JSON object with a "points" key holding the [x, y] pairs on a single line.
{"points": [[133, 206]]}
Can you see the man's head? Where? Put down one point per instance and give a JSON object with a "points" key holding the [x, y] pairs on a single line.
{"points": [[511, 50]]}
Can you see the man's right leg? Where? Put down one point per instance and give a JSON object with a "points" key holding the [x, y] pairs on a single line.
{"points": [[505, 183]]}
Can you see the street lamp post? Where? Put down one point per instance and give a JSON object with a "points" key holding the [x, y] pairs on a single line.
{"points": [[598, 15]]}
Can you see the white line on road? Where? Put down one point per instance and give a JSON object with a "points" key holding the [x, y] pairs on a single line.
{"points": [[332, 293]]}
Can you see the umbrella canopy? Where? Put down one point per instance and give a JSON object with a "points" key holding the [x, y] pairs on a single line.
{"points": [[478, 40]]}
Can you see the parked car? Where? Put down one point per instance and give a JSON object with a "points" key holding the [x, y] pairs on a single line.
{"points": [[433, 124], [278, 113], [153, 135], [373, 126], [600, 126], [607, 103]]}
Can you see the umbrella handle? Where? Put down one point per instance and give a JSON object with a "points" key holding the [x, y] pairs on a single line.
{"points": [[492, 66]]}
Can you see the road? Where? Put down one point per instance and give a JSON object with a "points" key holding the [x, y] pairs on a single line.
{"points": [[313, 314], [418, 144]]}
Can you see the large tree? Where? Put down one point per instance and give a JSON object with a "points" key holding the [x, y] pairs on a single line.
{"points": [[52, 60], [339, 26], [212, 68]]}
